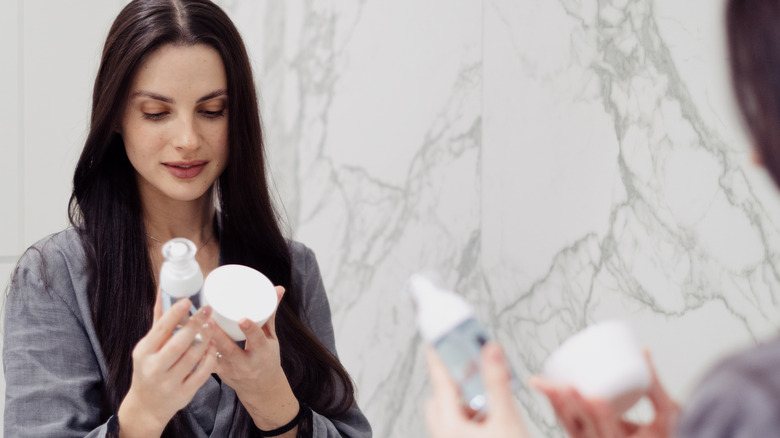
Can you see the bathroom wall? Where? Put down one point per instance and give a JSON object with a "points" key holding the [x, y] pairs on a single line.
{"points": [[49, 51], [558, 162]]}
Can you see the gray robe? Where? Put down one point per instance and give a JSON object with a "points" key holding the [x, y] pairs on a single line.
{"points": [[54, 366], [738, 398]]}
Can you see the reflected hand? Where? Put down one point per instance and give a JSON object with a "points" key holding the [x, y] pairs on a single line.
{"points": [[595, 418], [445, 413]]}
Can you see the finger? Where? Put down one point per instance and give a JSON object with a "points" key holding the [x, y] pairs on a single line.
{"points": [[573, 411], [498, 381], [184, 338], [433, 417], [666, 408], [628, 428], [541, 384], [206, 366], [445, 391], [596, 417], [446, 422], [551, 390], [226, 346], [608, 423], [270, 326], [157, 313], [569, 406], [162, 329], [568, 413], [256, 337], [194, 353], [657, 394]]}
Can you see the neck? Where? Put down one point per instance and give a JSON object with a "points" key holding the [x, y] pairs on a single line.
{"points": [[166, 219]]}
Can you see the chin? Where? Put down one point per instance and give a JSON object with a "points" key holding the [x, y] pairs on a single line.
{"points": [[185, 194], [188, 197]]}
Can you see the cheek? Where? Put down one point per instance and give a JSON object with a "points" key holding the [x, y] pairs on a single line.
{"points": [[219, 139], [222, 159], [139, 144]]}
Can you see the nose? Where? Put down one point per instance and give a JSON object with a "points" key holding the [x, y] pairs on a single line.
{"points": [[185, 136]]}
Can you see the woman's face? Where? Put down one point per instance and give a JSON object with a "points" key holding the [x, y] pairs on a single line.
{"points": [[175, 123]]}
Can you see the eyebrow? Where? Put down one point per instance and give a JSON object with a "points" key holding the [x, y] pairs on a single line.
{"points": [[166, 99]]}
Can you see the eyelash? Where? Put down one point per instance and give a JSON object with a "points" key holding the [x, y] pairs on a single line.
{"points": [[155, 116], [207, 114], [214, 114]]}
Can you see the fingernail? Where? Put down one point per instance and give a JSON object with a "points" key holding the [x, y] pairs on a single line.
{"points": [[204, 312], [245, 324]]}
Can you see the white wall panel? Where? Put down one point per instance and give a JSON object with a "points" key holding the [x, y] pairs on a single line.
{"points": [[63, 41], [10, 129]]}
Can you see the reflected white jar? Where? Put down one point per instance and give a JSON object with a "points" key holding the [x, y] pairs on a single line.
{"points": [[602, 361]]}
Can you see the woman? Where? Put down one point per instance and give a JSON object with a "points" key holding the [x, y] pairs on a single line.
{"points": [[174, 150], [740, 397]]}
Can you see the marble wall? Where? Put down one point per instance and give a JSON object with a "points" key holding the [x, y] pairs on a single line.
{"points": [[558, 162]]}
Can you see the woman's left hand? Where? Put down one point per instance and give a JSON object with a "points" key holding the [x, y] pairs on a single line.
{"points": [[594, 418], [255, 372]]}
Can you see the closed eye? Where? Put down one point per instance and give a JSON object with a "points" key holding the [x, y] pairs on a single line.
{"points": [[155, 116], [213, 114]]}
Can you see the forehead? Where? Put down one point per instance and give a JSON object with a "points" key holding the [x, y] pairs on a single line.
{"points": [[181, 71]]}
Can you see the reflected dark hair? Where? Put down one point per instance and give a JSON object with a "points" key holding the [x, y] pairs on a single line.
{"points": [[753, 32], [105, 208]]}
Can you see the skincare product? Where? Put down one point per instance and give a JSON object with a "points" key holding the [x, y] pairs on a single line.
{"points": [[235, 292], [447, 322], [180, 276], [602, 361]]}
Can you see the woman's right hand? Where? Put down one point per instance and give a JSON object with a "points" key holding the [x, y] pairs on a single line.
{"points": [[168, 369]]}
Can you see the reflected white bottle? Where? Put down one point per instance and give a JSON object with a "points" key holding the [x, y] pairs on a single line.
{"points": [[447, 322], [180, 275]]}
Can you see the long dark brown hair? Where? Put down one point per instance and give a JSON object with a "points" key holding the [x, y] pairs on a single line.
{"points": [[105, 207], [753, 30]]}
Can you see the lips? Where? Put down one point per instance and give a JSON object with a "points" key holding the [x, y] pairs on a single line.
{"points": [[185, 169]]}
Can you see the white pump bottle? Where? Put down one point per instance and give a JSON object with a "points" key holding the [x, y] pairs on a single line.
{"points": [[180, 276], [447, 322]]}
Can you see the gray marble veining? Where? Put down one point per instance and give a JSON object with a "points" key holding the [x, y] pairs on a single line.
{"points": [[559, 163]]}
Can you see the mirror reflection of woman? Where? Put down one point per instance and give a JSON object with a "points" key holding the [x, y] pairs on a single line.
{"points": [[174, 149], [740, 396]]}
